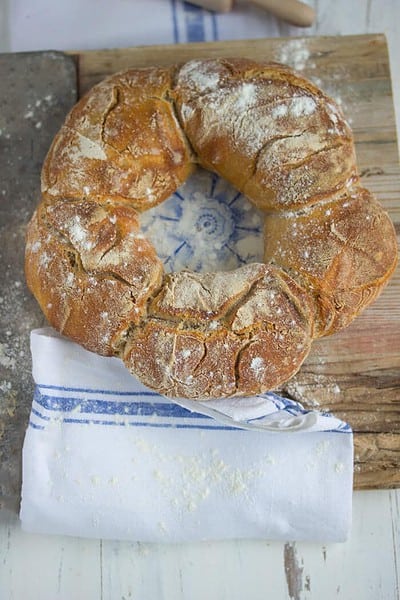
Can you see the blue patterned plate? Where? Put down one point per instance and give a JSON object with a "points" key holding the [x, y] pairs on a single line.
{"points": [[207, 225]]}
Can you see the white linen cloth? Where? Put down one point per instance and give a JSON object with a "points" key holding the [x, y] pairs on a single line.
{"points": [[94, 24], [105, 457]]}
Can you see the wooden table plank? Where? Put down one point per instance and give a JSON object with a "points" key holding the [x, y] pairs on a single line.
{"points": [[355, 373]]}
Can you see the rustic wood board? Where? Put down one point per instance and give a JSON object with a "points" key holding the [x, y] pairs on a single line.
{"points": [[355, 373]]}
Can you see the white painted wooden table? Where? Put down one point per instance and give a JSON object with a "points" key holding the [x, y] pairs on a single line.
{"points": [[367, 567]]}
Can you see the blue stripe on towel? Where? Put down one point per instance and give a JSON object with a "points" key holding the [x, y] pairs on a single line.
{"points": [[62, 405], [164, 407], [67, 404], [35, 425], [195, 20], [343, 428], [150, 411], [39, 414], [174, 21]]}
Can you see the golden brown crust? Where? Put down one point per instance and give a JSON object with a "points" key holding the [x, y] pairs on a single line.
{"points": [[217, 334], [91, 270], [126, 146], [121, 142], [342, 251], [271, 133]]}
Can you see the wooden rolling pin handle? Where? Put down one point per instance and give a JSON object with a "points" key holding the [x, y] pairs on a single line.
{"points": [[293, 11], [216, 5]]}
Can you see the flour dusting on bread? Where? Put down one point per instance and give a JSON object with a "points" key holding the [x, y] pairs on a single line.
{"points": [[126, 146]]}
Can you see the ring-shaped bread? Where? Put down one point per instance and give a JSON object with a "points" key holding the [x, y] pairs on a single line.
{"points": [[127, 145]]}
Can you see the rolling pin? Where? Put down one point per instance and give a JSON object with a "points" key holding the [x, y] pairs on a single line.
{"points": [[293, 11]]}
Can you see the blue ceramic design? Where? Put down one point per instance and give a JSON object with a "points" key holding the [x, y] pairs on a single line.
{"points": [[207, 225]]}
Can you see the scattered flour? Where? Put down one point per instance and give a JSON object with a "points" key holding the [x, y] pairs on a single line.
{"points": [[199, 75], [257, 365], [90, 149], [295, 53], [6, 358], [302, 106], [247, 95], [281, 110]]}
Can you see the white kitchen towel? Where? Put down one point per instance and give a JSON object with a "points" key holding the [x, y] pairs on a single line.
{"points": [[105, 457], [94, 24]]}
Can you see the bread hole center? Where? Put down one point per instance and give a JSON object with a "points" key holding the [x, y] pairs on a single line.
{"points": [[207, 225]]}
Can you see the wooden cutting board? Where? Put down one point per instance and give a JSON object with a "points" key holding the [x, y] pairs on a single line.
{"points": [[355, 373]]}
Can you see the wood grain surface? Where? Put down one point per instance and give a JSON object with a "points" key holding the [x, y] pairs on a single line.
{"points": [[355, 373]]}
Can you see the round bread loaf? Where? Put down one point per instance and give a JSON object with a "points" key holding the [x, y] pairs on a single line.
{"points": [[127, 145]]}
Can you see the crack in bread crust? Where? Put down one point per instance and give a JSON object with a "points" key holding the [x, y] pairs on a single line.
{"points": [[126, 146]]}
